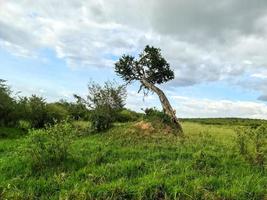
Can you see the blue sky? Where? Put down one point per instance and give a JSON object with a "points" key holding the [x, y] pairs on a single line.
{"points": [[219, 62]]}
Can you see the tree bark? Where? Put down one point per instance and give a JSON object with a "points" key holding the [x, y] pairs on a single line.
{"points": [[167, 108]]}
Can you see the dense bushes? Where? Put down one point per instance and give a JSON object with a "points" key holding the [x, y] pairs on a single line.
{"points": [[76, 110], [34, 111], [101, 119], [56, 112], [50, 146], [126, 115], [102, 106], [7, 104], [156, 116], [24, 125], [105, 103], [252, 144]]}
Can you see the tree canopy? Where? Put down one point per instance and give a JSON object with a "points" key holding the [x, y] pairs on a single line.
{"points": [[150, 66]]}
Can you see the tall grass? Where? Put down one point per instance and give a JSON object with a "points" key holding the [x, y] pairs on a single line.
{"points": [[125, 163]]}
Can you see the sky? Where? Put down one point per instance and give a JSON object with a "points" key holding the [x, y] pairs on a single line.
{"points": [[217, 50]]}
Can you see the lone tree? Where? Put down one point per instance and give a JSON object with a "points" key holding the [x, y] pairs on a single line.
{"points": [[150, 69]]}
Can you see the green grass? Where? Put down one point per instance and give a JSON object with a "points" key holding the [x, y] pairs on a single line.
{"points": [[124, 163]]}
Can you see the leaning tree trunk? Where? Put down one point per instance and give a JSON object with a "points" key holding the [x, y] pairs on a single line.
{"points": [[167, 108]]}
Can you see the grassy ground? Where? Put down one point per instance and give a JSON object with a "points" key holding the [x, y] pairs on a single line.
{"points": [[126, 163]]}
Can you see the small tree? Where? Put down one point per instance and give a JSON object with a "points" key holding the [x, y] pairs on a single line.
{"points": [[7, 104], [77, 110], [149, 69], [104, 102], [36, 110], [110, 95]]}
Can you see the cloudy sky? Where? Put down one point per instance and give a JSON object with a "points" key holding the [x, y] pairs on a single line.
{"points": [[218, 50]]}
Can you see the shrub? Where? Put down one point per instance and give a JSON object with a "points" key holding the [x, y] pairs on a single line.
{"points": [[160, 120], [105, 102], [82, 127], [154, 114], [109, 95], [77, 110], [101, 119], [256, 138], [242, 140], [259, 137], [50, 146], [24, 125], [33, 109], [56, 113], [126, 115], [7, 105]]}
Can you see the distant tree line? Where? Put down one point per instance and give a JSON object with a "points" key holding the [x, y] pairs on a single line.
{"points": [[102, 106], [35, 111]]}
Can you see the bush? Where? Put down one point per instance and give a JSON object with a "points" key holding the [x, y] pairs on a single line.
{"points": [[109, 95], [158, 117], [76, 110], [259, 137], [50, 146], [101, 119], [126, 115], [255, 138], [242, 140], [82, 127], [7, 105], [56, 113], [33, 109], [105, 101], [24, 125], [154, 114]]}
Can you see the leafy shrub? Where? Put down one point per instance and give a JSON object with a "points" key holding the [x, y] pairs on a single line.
{"points": [[259, 137], [154, 114], [7, 105], [242, 140], [24, 125], [56, 113], [32, 109], [160, 120], [82, 127], [49, 146], [105, 102], [37, 111], [76, 110], [254, 137], [127, 115], [101, 119], [109, 95]]}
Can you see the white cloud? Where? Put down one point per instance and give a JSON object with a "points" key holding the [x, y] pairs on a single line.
{"points": [[191, 107], [204, 40], [261, 76]]}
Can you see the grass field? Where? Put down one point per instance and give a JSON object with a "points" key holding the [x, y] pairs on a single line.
{"points": [[128, 163]]}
